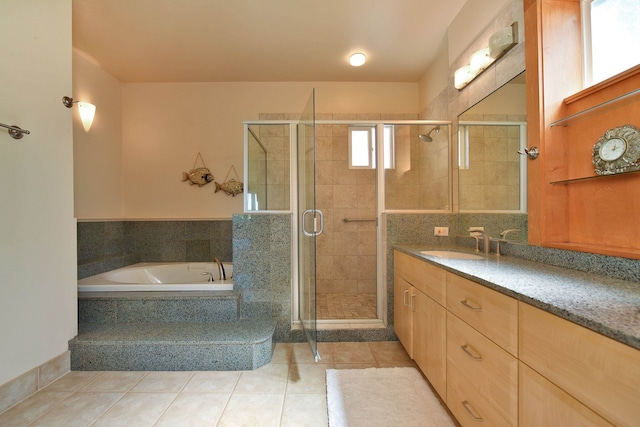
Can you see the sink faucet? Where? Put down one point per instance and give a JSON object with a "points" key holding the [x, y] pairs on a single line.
{"points": [[221, 272], [505, 232], [486, 239]]}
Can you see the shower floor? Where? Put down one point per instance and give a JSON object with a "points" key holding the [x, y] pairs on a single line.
{"points": [[345, 306]]}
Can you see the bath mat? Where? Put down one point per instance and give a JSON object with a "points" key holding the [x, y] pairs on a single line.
{"points": [[382, 397]]}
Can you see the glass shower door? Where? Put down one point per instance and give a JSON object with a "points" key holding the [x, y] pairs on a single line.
{"points": [[310, 223]]}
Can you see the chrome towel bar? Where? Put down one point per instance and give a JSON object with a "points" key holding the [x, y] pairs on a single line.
{"points": [[357, 219], [14, 131]]}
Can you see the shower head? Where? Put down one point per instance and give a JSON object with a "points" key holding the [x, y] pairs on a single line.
{"points": [[427, 137]]}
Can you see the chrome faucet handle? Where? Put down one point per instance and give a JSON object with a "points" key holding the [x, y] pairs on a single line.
{"points": [[510, 230], [486, 239]]}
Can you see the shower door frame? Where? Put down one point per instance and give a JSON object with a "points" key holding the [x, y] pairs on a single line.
{"points": [[381, 320]]}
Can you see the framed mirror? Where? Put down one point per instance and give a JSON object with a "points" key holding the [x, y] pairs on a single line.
{"points": [[492, 176]]}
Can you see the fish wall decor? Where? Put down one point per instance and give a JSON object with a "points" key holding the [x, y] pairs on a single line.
{"points": [[198, 176], [231, 186]]}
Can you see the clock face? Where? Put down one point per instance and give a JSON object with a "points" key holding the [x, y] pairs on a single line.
{"points": [[612, 149], [617, 151]]}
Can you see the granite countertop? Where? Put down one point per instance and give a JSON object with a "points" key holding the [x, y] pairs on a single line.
{"points": [[603, 304]]}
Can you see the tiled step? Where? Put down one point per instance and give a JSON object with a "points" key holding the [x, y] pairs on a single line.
{"points": [[243, 344], [163, 307]]}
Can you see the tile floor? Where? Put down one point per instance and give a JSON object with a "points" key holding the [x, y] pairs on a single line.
{"points": [[346, 306], [289, 391]]}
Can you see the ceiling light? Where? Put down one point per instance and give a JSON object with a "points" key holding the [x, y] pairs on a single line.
{"points": [[357, 59]]}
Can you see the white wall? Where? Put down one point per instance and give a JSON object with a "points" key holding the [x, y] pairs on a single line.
{"points": [[97, 153], [165, 125], [38, 236]]}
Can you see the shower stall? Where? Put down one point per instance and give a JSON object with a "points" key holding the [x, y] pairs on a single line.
{"points": [[361, 170]]}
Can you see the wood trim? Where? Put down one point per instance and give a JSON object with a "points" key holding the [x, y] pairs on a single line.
{"points": [[612, 81]]}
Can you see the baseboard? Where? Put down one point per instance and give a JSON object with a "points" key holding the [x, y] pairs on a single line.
{"points": [[33, 380]]}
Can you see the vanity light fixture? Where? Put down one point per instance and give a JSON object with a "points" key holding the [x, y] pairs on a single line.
{"points": [[499, 43], [87, 111], [357, 59]]}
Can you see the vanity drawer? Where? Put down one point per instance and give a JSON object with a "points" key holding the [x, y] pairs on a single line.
{"points": [[468, 405], [425, 277], [560, 409], [600, 372], [488, 311], [492, 371]]}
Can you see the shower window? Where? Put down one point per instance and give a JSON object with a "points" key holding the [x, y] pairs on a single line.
{"points": [[362, 147], [362, 152]]}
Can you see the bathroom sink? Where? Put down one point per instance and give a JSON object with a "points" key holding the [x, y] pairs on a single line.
{"points": [[451, 254]]}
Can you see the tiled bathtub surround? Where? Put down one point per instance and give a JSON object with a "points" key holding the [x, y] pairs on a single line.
{"points": [[107, 245]]}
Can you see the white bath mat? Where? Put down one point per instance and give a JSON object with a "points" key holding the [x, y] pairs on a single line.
{"points": [[382, 397]]}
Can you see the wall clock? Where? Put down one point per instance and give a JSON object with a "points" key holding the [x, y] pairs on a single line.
{"points": [[617, 151]]}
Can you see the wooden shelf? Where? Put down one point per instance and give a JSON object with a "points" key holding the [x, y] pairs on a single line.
{"points": [[598, 109], [588, 178]]}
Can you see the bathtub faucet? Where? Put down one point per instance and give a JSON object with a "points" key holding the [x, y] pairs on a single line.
{"points": [[210, 274], [223, 275]]}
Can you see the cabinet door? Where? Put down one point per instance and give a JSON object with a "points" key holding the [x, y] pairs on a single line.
{"points": [[429, 279], [598, 371], [402, 322], [543, 404], [429, 340]]}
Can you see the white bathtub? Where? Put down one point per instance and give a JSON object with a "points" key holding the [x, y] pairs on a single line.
{"points": [[151, 276]]}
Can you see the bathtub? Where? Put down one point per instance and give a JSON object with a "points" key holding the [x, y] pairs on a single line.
{"points": [[151, 276]]}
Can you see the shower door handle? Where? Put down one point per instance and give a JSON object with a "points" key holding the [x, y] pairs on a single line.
{"points": [[317, 228]]}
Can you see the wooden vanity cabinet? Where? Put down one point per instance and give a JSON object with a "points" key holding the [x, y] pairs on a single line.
{"points": [[599, 372], [419, 318], [482, 331], [544, 404]]}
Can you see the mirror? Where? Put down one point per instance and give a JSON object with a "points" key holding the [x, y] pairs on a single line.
{"points": [[492, 175]]}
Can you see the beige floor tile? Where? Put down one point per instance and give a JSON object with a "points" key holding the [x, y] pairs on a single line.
{"points": [[305, 410], [194, 410], [252, 410], [163, 382], [136, 409], [114, 381], [389, 352], [79, 410], [352, 352], [270, 378], [74, 380], [302, 353], [29, 409], [212, 382], [282, 353], [307, 378], [354, 365]]}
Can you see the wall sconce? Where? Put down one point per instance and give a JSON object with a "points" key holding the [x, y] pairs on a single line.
{"points": [[500, 43], [87, 111]]}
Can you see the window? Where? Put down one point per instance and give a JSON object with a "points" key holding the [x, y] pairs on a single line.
{"points": [[611, 36], [362, 147]]}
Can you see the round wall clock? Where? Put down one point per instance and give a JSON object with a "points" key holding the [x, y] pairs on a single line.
{"points": [[617, 151]]}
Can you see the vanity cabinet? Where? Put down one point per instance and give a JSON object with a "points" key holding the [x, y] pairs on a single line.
{"points": [[598, 372], [482, 367], [509, 363], [419, 316]]}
